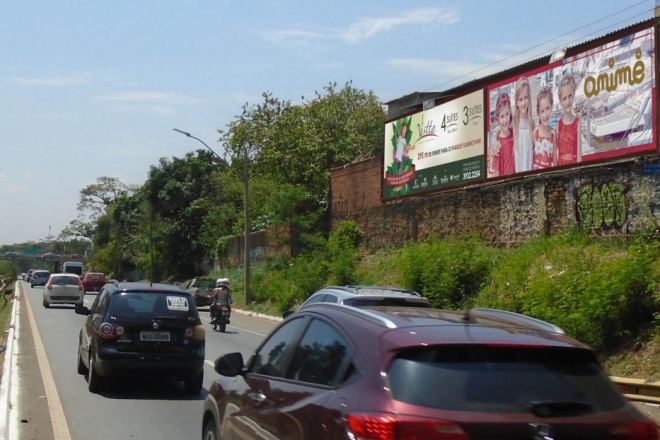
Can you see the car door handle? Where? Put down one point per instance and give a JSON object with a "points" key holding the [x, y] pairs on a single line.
{"points": [[257, 398]]}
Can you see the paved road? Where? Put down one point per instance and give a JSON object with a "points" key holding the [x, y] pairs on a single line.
{"points": [[53, 402]]}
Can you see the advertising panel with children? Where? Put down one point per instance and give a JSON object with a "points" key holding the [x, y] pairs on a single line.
{"points": [[596, 105], [435, 148]]}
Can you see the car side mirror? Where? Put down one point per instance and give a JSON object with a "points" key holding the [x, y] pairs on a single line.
{"points": [[82, 310], [287, 313], [230, 365]]}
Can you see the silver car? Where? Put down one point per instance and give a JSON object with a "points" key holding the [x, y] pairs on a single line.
{"points": [[365, 296], [39, 278]]}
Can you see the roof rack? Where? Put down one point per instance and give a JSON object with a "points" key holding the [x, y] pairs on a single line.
{"points": [[366, 314], [516, 318], [367, 289]]}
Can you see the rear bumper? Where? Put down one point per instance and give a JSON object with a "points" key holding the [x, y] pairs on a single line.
{"points": [[65, 299], [110, 362], [203, 301]]}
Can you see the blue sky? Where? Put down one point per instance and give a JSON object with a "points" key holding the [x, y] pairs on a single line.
{"points": [[94, 88]]}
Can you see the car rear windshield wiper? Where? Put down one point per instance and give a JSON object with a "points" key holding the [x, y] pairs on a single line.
{"points": [[552, 408]]}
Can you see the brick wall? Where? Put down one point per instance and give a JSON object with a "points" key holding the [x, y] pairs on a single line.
{"points": [[615, 198]]}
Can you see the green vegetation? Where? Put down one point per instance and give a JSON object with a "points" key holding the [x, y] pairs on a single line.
{"points": [[8, 273], [188, 208], [602, 291]]}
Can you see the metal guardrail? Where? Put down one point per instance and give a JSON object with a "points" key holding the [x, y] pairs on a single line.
{"points": [[638, 390]]}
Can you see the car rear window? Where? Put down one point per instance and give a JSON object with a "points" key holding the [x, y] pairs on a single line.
{"points": [[42, 274], [96, 276], [205, 284], [150, 305], [477, 378], [65, 281]]}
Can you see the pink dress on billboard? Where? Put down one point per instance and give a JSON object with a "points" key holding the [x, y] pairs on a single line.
{"points": [[507, 164], [567, 141]]}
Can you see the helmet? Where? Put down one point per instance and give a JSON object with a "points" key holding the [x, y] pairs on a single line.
{"points": [[222, 282]]}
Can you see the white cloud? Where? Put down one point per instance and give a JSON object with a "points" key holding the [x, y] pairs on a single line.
{"points": [[56, 81], [368, 27], [150, 97], [163, 110], [14, 188], [364, 28], [298, 38], [437, 68], [328, 65]]}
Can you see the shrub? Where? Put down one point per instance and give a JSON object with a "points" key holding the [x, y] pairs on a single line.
{"points": [[343, 253], [450, 272], [597, 291]]}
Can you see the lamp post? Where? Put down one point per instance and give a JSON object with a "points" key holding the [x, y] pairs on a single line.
{"points": [[246, 233]]}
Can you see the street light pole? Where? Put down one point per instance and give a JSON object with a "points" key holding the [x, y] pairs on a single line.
{"points": [[246, 234], [246, 230]]}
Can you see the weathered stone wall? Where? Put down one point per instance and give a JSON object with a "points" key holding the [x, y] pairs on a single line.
{"points": [[276, 240], [615, 198]]}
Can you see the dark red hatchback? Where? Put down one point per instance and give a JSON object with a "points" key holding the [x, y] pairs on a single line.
{"points": [[337, 372]]}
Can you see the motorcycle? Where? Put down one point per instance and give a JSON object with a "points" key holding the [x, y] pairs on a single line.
{"points": [[221, 318]]}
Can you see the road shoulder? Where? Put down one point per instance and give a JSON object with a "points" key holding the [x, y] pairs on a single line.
{"points": [[30, 409]]}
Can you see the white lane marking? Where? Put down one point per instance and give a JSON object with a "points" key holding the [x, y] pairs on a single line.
{"points": [[60, 427]]}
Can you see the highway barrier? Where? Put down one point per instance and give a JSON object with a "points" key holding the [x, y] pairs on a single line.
{"points": [[638, 390]]}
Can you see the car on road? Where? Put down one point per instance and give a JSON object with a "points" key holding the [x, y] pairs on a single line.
{"points": [[363, 295], [141, 330], [63, 288], [94, 281], [201, 288], [39, 278], [343, 372]]}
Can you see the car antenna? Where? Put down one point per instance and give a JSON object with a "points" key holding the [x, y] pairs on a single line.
{"points": [[467, 317]]}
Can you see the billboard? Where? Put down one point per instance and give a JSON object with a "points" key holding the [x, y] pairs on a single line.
{"points": [[436, 148], [596, 105]]}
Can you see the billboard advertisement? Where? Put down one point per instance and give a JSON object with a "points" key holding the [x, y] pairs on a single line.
{"points": [[436, 148], [596, 105]]}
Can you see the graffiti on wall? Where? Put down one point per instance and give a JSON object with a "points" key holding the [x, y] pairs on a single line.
{"points": [[602, 206]]}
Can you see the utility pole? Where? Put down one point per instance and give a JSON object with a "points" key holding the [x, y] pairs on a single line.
{"points": [[246, 233]]}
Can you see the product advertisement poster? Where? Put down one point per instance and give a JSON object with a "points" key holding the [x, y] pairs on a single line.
{"points": [[596, 105], [436, 148]]}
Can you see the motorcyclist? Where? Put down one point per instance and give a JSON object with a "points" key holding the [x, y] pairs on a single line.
{"points": [[221, 295]]}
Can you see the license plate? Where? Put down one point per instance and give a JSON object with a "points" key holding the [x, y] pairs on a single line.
{"points": [[225, 312], [155, 336]]}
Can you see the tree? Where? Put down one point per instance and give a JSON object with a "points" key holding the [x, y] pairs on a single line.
{"points": [[95, 197], [184, 195], [294, 148]]}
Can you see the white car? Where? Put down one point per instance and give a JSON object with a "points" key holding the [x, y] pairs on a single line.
{"points": [[63, 288]]}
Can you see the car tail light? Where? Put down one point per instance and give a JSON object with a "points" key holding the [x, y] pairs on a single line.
{"points": [[199, 333], [189, 332], [80, 285], [375, 426], [110, 331], [637, 430]]}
